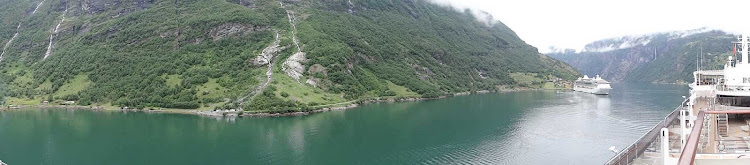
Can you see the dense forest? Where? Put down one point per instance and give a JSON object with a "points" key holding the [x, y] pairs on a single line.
{"points": [[257, 55]]}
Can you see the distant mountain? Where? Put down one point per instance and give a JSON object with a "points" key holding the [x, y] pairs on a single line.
{"points": [[258, 55], [655, 58]]}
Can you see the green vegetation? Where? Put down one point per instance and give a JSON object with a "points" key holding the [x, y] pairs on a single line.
{"points": [[302, 93], [197, 54], [400, 91], [76, 85], [665, 59], [527, 79]]}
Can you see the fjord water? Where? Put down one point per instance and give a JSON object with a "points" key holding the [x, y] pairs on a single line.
{"points": [[530, 127]]}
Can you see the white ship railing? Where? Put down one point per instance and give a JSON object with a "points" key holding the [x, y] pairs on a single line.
{"points": [[738, 88], [628, 154]]}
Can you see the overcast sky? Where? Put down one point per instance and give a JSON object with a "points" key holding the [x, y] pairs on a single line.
{"points": [[574, 23]]}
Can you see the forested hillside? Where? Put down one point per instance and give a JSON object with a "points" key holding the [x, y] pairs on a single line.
{"points": [[658, 58], [257, 55]]}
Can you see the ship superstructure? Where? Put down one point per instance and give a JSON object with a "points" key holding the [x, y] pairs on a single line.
{"points": [[711, 127], [595, 85]]}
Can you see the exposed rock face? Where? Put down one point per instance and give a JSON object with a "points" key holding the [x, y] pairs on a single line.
{"points": [[351, 7], [268, 53], [293, 65], [265, 58], [233, 30], [423, 72], [317, 68], [313, 81], [482, 74]]}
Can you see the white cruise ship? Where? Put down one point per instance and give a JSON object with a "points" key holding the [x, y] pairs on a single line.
{"points": [[711, 127], [595, 85]]}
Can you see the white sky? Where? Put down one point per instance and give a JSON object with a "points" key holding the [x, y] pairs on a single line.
{"points": [[575, 23]]}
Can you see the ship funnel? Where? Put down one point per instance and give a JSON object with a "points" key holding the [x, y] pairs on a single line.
{"points": [[585, 76]]}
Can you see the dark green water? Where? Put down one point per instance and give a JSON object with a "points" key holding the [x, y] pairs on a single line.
{"points": [[534, 127]]}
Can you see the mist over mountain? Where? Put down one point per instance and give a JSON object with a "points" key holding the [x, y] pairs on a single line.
{"points": [[668, 57]]}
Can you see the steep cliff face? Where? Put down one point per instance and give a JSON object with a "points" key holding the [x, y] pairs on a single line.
{"points": [[658, 58], [259, 55]]}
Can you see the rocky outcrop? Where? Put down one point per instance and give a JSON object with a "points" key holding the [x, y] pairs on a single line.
{"points": [[233, 30], [317, 68], [293, 65], [424, 73], [268, 53], [315, 81], [351, 7]]}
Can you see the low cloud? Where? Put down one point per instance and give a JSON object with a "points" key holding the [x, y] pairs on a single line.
{"points": [[575, 23], [481, 16]]}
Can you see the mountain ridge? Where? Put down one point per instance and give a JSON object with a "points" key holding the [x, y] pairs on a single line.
{"points": [[668, 57], [256, 55]]}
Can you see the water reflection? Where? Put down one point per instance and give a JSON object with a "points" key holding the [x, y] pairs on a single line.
{"points": [[533, 127]]}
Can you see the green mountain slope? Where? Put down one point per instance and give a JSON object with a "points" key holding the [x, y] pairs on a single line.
{"points": [[258, 55], [665, 58]]}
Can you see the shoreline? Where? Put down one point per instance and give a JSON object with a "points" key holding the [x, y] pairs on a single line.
{"points": [[234, 114]]}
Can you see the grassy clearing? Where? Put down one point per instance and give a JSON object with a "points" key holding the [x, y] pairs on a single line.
{"points": [[302, 92], [77, 84], [211, 89], [45, 86], [23, 80], [527, 79], [23, 101], [402, 91], [548, 85], [172, 80]]}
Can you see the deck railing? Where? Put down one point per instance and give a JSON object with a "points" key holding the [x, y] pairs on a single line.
{"points": [[633, 151], [721, 87]]}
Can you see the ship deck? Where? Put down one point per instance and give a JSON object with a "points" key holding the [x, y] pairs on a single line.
{"points": [[715, 147], [653, 155]]}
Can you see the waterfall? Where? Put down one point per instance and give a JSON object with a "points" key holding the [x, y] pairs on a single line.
{"points": [[266, 57], [37, 7], [18, 28], [351, 7], [52, 36], [293, 65], [9, 41]]}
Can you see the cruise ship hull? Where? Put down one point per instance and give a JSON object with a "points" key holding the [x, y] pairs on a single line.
{"points": [[596, 91]]}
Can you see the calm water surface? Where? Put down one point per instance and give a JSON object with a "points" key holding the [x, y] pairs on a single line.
{"points": [[533, 127]]}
